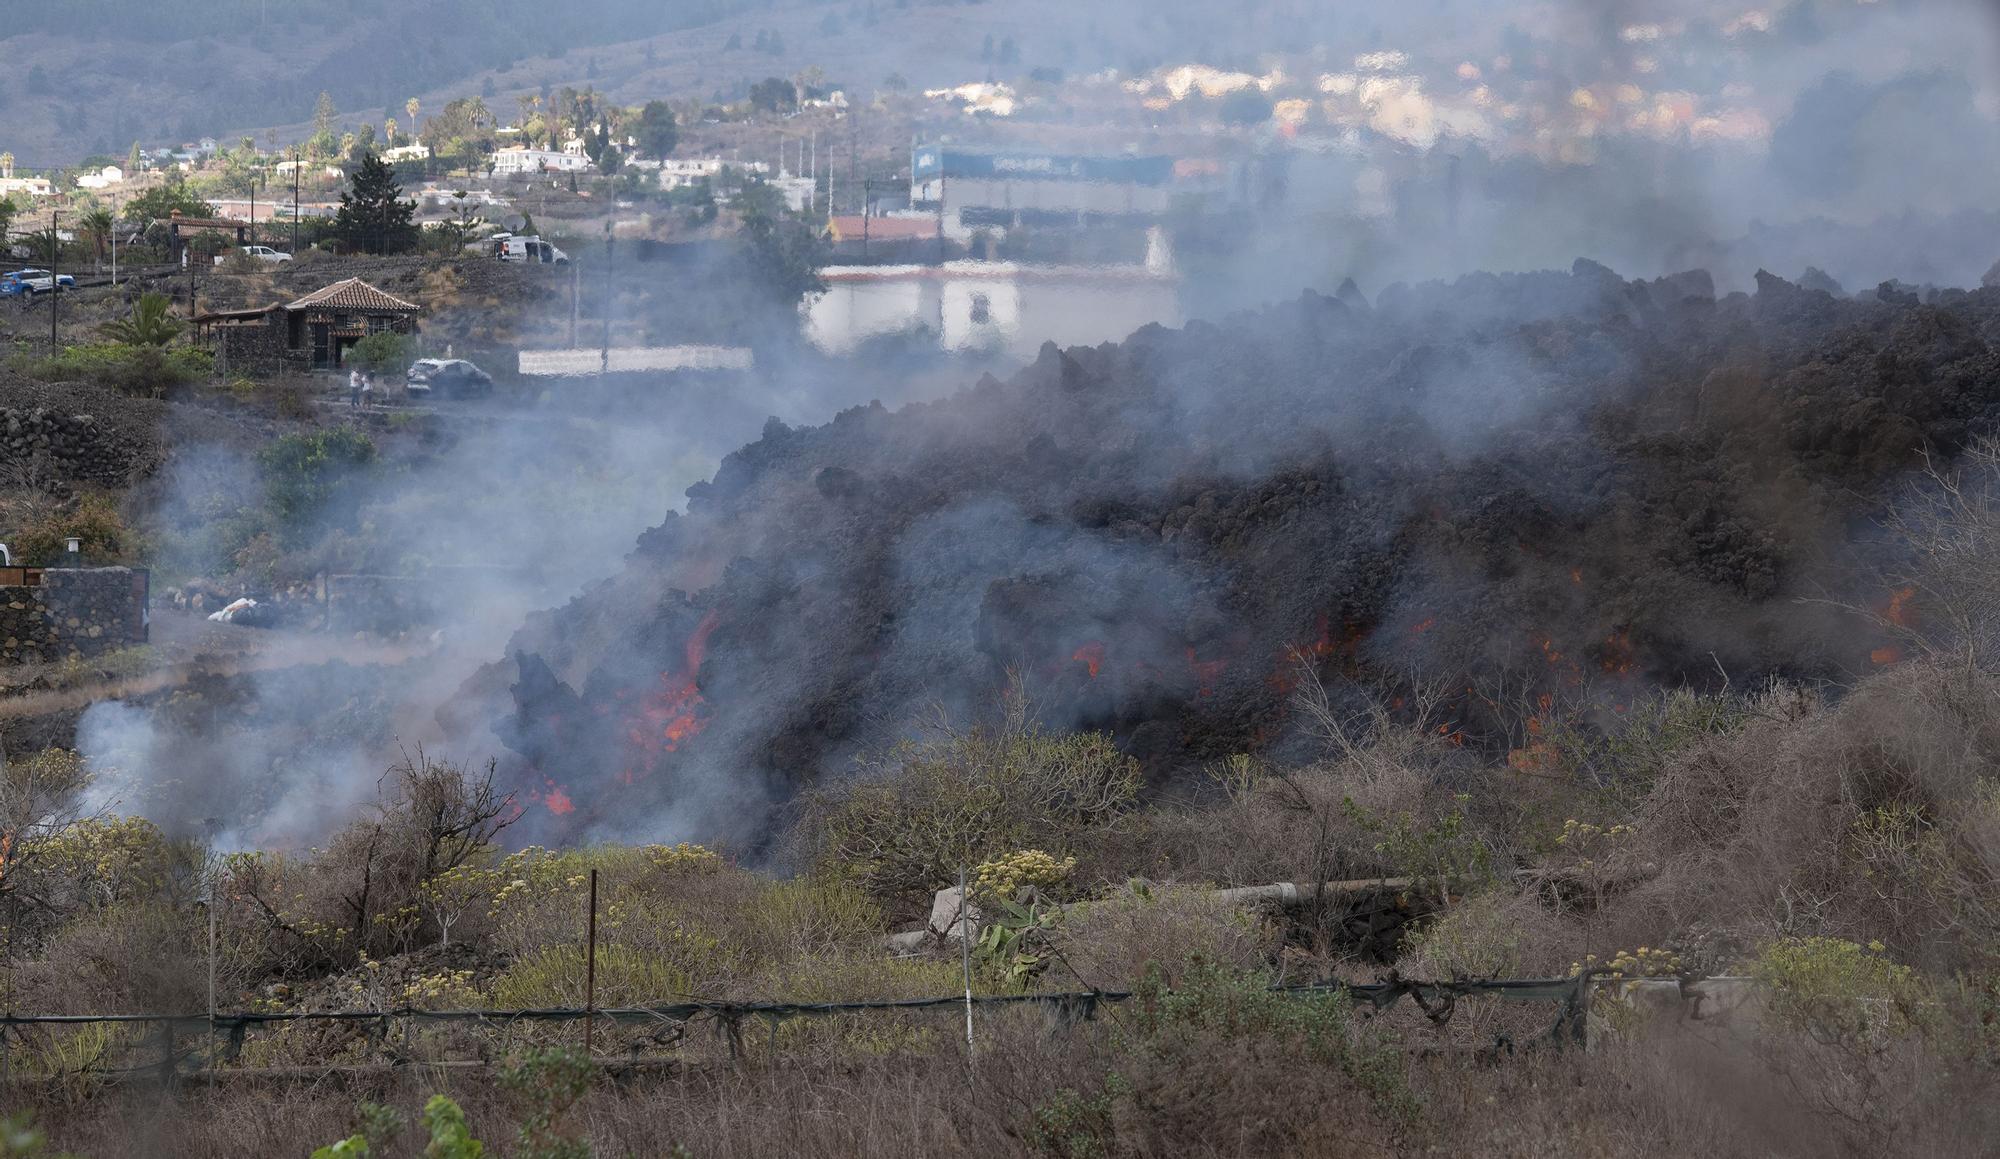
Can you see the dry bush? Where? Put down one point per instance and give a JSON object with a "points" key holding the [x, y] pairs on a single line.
{"points": [[365, 891], [909, 823], [139, 956], [1500, 933], [1110, 944], [1872, 819]]}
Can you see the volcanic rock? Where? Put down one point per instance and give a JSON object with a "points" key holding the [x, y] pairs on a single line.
{"points": [[1556, 485]]}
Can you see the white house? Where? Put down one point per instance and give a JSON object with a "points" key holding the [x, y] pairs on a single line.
{"points": [[104, 178], [31, 186], [519, 159], [676, 172], [406, 153]]}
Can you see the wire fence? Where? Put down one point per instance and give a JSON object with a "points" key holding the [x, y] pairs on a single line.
{"points": [[183, 1046]]}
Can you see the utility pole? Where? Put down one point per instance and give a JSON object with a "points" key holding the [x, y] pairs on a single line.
{"points": [[604, 360], [295, 201], [55, 281], [253, 205]]}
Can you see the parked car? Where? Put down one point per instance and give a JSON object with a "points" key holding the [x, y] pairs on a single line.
{"points": [[33, 283], [256, 253], [449, 377]]}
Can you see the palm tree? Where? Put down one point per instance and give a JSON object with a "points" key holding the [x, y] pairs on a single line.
{"points": [[411, 106], [149, 325], [96, 225]]}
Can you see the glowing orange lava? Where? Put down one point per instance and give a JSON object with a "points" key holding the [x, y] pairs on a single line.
{"points": [[671, 713], [558, 801], [1091, 656]]}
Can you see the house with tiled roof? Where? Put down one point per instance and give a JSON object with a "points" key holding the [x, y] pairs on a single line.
{"points": [[315, 332], [329, 320]]}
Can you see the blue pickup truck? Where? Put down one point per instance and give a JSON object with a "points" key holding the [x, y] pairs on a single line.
{"points": [[33, 283]]}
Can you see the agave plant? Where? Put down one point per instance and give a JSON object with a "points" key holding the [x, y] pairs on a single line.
{"points": [[149, 325]]}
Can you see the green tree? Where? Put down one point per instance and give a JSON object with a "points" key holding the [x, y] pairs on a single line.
{"points": [[373, 216], [323, 140], [132, 160], [6, 215], [149, 324], [774, 94], [656, 130], [314, 479], [165, 199]]}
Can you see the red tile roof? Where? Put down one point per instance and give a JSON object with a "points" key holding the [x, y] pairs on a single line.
{"points": [[355, 294]]}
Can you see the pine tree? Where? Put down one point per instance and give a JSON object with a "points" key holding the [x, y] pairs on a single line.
{"points": [[373, 216]]}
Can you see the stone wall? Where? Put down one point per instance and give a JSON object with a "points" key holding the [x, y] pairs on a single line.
{"points": [[76, 444], [256, 348], [72, 612]]}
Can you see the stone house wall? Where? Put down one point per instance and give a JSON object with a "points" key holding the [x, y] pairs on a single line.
{"points": [[72, 612]]}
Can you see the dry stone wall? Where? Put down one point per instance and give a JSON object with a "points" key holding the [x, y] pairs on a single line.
{"points": [[71, 613], [76, 444]]}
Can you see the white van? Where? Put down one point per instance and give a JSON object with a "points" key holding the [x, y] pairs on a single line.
{"points": [[509, 248]]}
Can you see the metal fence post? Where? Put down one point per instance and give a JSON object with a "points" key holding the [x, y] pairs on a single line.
{"points": [[590, 970], [965, 949]]}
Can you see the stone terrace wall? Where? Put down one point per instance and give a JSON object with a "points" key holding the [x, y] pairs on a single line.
{"points": [[79, 445], [71, 613]]}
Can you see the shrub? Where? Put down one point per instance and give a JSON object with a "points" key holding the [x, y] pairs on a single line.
{"points": [[145, 371], [1839, 991], [312, 480], [1142, 929], [93, 518], [1223, 1057], [810, 916], [386, 351], [554, 977], [1006, 877], [684, 858], [931, 810], [1486, 935]]}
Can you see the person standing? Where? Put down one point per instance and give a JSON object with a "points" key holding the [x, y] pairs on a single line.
{"points": [[367, 390], [354, 387]]}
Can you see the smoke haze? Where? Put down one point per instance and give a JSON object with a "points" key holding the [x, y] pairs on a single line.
{"points": [[1413, 447]]}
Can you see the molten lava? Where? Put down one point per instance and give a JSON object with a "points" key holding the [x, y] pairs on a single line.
{"points": [[1091, 656], [672, 712]]}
